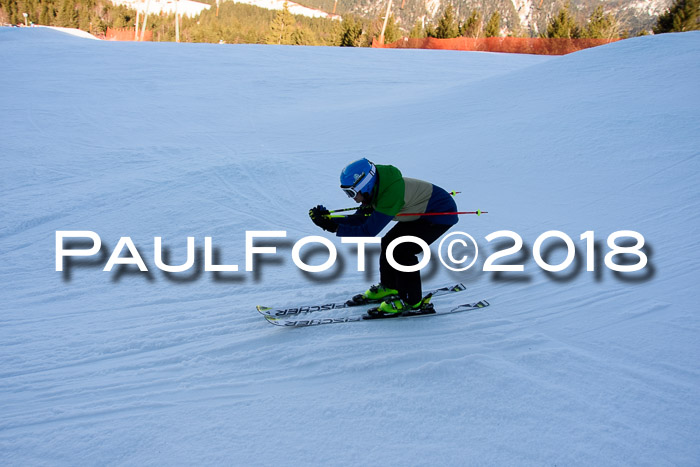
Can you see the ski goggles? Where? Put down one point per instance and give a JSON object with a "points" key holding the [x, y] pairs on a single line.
{"points": [[362, 181], [350, 191]]}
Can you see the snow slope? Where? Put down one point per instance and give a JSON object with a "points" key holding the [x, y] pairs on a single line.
{"points": [[178, 140], [293, 7], [183, 7]]}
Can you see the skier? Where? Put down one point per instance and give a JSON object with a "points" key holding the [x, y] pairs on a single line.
{"points": [[383, 193]]}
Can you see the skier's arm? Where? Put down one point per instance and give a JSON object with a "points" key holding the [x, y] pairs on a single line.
{"points": [[359, 217], [371, 227]]}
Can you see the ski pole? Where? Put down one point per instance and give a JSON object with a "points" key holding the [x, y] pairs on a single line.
{"points": [[478, 212], [346, 209], [453, 193]]}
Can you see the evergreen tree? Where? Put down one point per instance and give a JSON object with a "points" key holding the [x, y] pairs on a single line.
{"points": [[334, 34], [473, 25], [493, 27], [392, 32], [602, 26], [447, 26], [303, 36], [9, 12], [47, 15], [122, 17], [67, 15], [683, 15], [85, 18], [417, 31], [282, 27], [351, 34], [563, 25]]}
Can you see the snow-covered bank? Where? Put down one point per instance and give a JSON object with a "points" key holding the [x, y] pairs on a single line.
{"points": [[168, 7], [178, 140]]}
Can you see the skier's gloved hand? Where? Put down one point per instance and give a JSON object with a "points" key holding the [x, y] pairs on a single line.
{"points": [[318, 212], [319, 216]]}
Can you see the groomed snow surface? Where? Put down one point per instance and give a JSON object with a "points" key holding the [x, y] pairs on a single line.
{"points": [[174, 140]]}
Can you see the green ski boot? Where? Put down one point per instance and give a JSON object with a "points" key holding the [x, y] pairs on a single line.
{"points": [[374, 294], [394, 307]]}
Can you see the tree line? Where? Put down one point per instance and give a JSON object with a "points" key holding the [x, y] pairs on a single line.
{"points": [[240, 23], [93, 16], [683, 15], [231, 23]]}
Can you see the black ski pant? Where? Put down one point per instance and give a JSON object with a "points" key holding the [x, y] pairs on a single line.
{"points": [[407, 283]]}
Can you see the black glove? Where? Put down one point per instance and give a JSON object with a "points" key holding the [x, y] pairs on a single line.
{"points": [[320, 216], [318, 212]]}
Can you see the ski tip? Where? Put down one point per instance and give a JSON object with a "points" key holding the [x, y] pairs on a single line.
{"points": [[272, 320], [263, 308]]}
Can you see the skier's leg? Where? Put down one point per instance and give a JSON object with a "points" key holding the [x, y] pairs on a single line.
{"points": [[409, 283], [388, 275]]}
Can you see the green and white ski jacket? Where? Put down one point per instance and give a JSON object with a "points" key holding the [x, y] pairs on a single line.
{"points": [[395, 194]]}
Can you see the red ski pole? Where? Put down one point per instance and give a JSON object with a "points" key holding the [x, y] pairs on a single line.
{"points": [[478, 212]]}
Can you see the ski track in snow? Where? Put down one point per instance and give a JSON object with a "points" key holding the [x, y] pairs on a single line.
{"points": [[178, 140]]}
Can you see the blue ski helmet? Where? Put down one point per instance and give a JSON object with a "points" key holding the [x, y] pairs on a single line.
{"points": [[358, 177]]}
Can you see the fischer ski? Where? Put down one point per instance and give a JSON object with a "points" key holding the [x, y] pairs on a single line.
{"points": [[297, 323], [304, 309]]}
